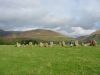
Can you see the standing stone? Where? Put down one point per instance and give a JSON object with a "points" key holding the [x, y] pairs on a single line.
{"points": [[41, 44], [46, 45], [23, 45], [76, 43], [27, 45], [51, 44], [60, 44], [63, 43], [31, 44], [71, 44], [82, 44], [85, 44], [92, 43], [18, 44]]}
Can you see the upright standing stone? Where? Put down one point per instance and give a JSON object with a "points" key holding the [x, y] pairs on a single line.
{"points": [[46, 45], [60, 44], [51, 44], [63, 43], [71, 44], [92, 43], [23, 45], [82, 44], [41, 44], [31, 44], [18, 44], [76, 43]]}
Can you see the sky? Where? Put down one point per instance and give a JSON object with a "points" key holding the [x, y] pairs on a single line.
{"points": [[69, 17]]}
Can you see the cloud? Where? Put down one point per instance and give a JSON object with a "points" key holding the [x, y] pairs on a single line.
{"points": [[24, 29], [71, 17], [80, 31]]}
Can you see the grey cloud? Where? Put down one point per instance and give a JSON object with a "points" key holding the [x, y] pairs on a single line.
{"points": [[29, 14], [19, 3]]}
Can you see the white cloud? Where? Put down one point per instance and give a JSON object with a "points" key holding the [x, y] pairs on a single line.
{"points": [[24, 29], [78, 31]]}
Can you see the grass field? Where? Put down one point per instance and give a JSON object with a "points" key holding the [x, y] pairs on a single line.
{"points": [[49, 61]]}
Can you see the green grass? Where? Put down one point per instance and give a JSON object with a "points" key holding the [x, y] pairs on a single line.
{"points": [[49, 61]]}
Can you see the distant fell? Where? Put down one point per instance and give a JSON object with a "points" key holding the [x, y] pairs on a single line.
{"points": [[38, 34], [94, 36]]}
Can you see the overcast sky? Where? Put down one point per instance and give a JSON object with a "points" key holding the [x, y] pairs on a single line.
{"points": [[70, 17]]}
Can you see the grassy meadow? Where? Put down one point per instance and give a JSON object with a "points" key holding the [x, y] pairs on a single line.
{"points": [[49, 61]]}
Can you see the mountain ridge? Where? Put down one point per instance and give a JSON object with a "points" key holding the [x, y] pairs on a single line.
{"points": [[37, 34], [93, 36]]}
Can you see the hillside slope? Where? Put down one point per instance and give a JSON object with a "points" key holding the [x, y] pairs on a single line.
{"points": [[38, 34], [94, 35]]}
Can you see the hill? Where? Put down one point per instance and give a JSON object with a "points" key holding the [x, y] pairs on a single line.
{"points": [[43, 35], [94, 35], [38, 34]]}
